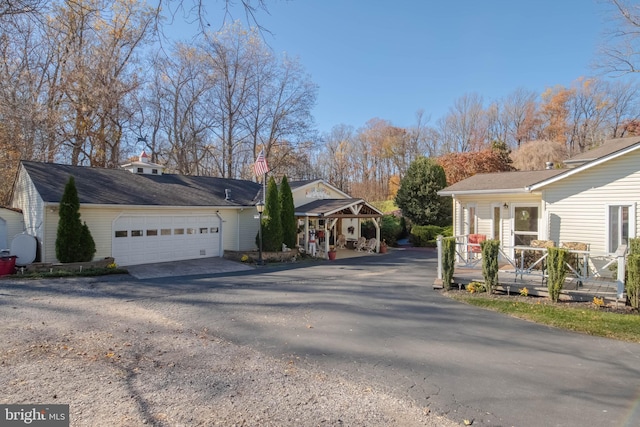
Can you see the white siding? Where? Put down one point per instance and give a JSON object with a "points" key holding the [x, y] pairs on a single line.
{"points": [[484, 208], [27, 199], [309, 193], [577, 205], [11, 223], [247, 229], [100, 220]]}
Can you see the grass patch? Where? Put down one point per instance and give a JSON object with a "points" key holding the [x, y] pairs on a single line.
{"points": [[579, 317]]}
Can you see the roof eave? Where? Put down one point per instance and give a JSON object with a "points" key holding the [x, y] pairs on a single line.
{"points": [[472, 192]]}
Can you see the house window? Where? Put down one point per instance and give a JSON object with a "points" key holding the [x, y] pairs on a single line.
{"points": [[495, 233], [122, 233], [154, 171], [140, 170], [619, 224], [471, 220]]}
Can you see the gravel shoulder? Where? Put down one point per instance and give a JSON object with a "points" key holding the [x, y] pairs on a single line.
{"points": [[117, 362]]}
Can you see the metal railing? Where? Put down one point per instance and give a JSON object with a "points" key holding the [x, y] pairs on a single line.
{"points": [[527, 262]]}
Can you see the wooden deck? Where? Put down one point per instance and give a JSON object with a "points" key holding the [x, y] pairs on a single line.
{"points": [[509, 284]]}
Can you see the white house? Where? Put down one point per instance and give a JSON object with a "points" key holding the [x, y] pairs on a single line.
{"points": [[593, 200], [138, 214]]}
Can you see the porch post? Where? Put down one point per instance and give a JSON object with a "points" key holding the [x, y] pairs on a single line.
{"points": [[377, 225], [439, 244], [620, 254], [306, 234]]}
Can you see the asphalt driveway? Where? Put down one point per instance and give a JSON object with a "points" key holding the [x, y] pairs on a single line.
{"points": [[379, 318], [376, 320]]}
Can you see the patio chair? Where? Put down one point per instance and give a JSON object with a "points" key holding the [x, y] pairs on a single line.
{"points": [[475, 239], [371, 245], [341, 243], [360, 244]]}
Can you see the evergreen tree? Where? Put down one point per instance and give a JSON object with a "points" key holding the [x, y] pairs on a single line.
{"points": [[272, 223], [87, 244], [73, 240], [287, 214], [418, 194]]}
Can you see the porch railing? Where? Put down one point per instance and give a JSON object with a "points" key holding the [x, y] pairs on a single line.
{"points": [[527, 262]]}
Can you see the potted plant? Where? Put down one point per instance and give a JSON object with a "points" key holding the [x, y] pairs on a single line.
{"points": [[332, 253], [383, 247]]}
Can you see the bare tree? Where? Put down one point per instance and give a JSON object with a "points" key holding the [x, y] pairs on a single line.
{"points": [[621, 54], [464, 127]]}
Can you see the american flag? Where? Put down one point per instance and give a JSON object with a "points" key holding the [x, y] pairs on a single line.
{"points": [[260, 166]]}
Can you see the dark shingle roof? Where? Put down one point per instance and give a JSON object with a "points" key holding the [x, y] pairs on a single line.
{"points": [[121, 187], [501, 181], [609, 147]]}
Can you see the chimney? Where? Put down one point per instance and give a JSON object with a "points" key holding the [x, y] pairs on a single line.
{"points": [[227, 194], [549, 165]]}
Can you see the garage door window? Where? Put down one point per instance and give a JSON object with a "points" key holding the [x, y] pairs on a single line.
{"points": [[136, 233], [204, 230], [152, 232], [178, 231], [191, 231], [165, 232], [122, 233]]}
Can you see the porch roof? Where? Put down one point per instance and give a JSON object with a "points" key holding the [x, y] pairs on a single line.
{"points": [[338, 208], [500, 182]]}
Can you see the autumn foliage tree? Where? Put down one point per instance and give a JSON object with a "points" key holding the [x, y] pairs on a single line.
{"points": [[458, 166]]}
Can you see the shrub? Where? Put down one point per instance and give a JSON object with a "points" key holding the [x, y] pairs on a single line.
{"points": [[556, 266], [632, 284], [476, 287], [490, 251], [424, 235], [448, 261]]}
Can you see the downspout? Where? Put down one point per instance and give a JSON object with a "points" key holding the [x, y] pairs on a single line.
{"points": [[221, 232]]}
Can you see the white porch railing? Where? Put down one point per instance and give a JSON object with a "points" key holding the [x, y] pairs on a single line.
{"points": [[527, 262]]}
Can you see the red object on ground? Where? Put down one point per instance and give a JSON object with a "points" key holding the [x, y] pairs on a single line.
{"points": [[7, 265]]}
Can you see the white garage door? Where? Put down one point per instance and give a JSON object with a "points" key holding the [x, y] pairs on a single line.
{"points": [[149, 239]]}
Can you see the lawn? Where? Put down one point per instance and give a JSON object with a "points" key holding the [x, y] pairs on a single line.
{"points": [[590, 318]]}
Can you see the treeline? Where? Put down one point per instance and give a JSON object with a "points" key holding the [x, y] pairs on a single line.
{"points": [[92, 82]]}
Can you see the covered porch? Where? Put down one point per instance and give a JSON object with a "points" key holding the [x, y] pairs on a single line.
{"points": [[335, 224]]}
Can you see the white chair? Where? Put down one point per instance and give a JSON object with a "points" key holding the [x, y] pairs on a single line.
{"points": [[371, 245], [341, 243], [360, 244]]}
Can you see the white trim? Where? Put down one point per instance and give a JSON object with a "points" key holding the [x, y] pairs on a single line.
{"points": [[588, 165], [466, 218]]}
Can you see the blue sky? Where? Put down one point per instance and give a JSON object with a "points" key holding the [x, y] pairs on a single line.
{"points": [[389, 59]]}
